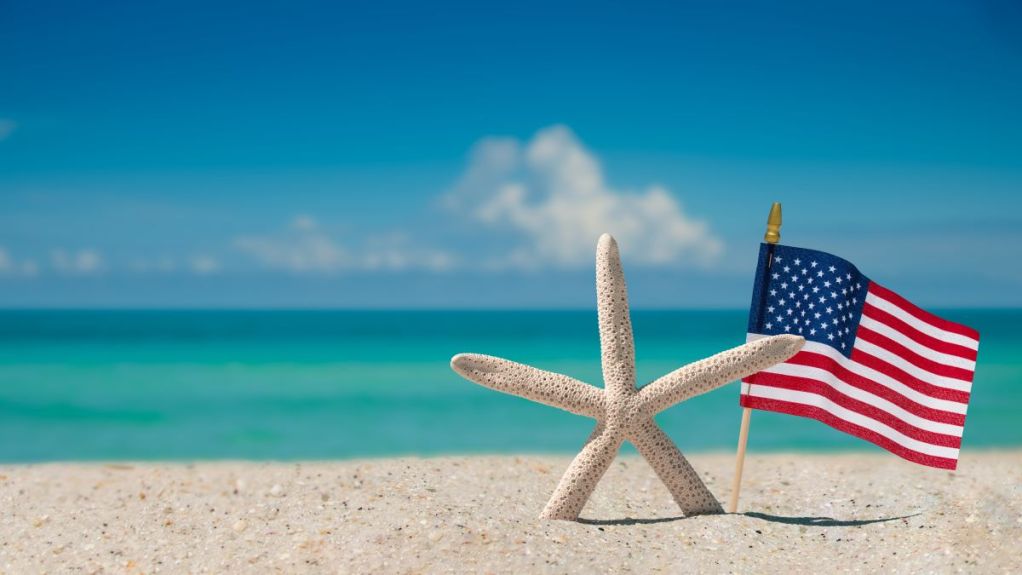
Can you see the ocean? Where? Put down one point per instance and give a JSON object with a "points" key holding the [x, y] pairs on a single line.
{"points": [[185, 385]]}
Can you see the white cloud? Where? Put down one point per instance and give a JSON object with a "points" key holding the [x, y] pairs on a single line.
{"points": [[204, 265], [550, 193], [305, 247], [7, 127], [9, 266], [85, 261]]}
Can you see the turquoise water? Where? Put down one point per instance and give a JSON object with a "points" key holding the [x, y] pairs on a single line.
{"points": [[83, 385]]}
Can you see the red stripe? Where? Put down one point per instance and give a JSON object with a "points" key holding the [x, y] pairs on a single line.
{"points": [[922, 314], [871, 311], [809, 385], [849, 428], [851, 378], [915, 383], [936, 368]]}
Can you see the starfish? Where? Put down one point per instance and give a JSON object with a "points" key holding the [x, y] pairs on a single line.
{"points": [[622, 411]]}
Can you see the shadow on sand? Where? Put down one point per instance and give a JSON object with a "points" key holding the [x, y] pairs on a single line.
{"points": [[807, 521]]}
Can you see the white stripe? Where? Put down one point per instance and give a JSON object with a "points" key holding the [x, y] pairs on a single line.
{"points": [[915, 346], [825, 404], [879, 378], [914, 370], [925, 327], [865, 397]]}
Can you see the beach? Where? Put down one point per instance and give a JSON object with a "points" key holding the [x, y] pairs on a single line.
{"points": [[799, 512]]}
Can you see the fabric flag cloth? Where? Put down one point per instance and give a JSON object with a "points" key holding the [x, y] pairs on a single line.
{"points": [[874, 365]]}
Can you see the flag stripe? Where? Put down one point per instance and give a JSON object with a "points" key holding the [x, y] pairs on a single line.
{"points": [[900, 351], [918, 312], [893, 365], [922, 351], [953, 349], [819, 414], [917, 401], [838, 412], [923, 326], [824, 383]]}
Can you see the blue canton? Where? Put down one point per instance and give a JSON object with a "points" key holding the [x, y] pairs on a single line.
{"points": [[809, 293]]}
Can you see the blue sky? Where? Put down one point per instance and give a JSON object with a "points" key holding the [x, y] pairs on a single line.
{"points": [[379, 154]]}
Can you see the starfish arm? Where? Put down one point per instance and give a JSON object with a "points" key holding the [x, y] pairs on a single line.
{"points": [[688, 490], [617, 346], [585, 471], [715, 371], [525, 381]]}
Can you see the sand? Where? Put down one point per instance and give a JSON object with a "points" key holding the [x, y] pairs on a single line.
{"points": [[802, 513]]}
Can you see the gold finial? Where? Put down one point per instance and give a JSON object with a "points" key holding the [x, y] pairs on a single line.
{"points": [[773, 233]]}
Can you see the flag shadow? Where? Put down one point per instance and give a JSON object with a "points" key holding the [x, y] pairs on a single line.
{"points": [[821, 521]]}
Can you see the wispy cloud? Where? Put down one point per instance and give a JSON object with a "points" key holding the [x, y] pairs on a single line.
{"points": [[305, 247], [7, 127], [80, 262], [551, 193], [204, 265]]}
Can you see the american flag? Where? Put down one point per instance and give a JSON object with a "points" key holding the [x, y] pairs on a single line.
{"points": [[874, 365]]}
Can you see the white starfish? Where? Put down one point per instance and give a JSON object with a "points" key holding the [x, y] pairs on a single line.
{"points": [[623, 412]]}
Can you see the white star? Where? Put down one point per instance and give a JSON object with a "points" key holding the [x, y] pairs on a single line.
{"points": [[812, 332], [780, 318], [773, 292], [782, 301], [816, 289], [835, 321], [787, 269], [823, 299], [798, 304], [823, 326], [801, 287], [832, 269], [770, 309], [826, 284], [812, 264], [842, 345], [787, 328], [804, 271], [791, 295], [840, 305], [833, 295], [784, 285], [838, 280], [830, 309], [790, 311], [819, 274], [798, 261], [817, 315], [848, 277], [811, 305], [830, 336], [775, 275], [769, 325]]}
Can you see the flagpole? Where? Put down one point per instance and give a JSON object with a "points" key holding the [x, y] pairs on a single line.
{"points": [[772, 236]]}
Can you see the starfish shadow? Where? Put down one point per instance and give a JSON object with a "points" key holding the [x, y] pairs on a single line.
{"points": [[630, 521], [822, 521]]}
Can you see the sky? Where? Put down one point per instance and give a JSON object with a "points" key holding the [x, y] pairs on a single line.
{"points": [[469, 155]]}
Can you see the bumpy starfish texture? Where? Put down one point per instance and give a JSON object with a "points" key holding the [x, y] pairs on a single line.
{"points": [[623, 412]]}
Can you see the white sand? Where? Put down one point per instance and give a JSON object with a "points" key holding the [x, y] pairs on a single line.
{"points": [[849, 513]]}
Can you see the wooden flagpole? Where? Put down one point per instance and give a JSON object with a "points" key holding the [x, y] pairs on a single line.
{"points": [[772, 236]]}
